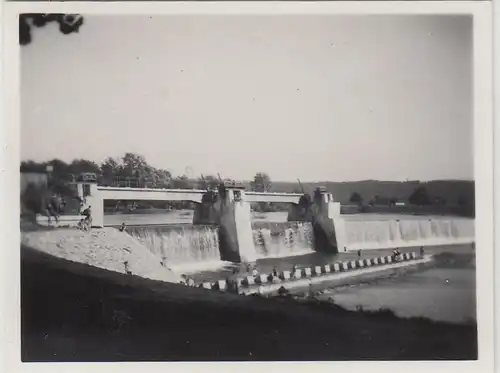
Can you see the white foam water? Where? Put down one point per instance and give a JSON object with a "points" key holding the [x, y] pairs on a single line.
{"points": [[277, 240], [375, 234], [186, 248]]}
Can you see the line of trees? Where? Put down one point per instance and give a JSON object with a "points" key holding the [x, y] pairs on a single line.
{"points": [[419, 197], [130, 170]]}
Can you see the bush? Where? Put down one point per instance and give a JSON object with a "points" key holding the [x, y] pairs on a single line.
{"points": [[32, 200]]}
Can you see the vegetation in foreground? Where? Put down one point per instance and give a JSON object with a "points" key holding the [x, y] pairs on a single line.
{"points": [[100, 316]]}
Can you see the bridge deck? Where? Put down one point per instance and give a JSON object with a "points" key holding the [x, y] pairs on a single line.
{"points": [[272, 197], [195, 195], [148, 194]]}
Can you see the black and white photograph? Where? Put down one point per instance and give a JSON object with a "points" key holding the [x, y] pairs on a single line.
{"points": [[249, 187]]}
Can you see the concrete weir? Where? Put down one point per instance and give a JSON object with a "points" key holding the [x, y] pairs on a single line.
{"points": [[229, 208]]}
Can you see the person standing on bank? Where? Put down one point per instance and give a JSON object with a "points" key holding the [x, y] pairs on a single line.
{"points": [[88, 217]]}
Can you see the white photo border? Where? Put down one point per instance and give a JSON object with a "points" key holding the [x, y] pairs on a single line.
{"points": [[483, 171]]}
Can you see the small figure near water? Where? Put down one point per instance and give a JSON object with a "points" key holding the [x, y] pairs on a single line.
{"points": [[81, 225], [52, 210], [359, 253], [422, 253], [283, 291], [275, 271], [310, 294], [396, 254], [188, 281], [123, 227], [255, 272], [88, 217], [163, 261], [127, 268]]}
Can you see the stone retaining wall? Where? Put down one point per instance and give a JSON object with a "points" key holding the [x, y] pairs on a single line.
{"points": [[314, 274]]}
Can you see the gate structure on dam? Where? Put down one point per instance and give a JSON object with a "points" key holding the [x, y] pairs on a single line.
{"points": [[229, 208]]}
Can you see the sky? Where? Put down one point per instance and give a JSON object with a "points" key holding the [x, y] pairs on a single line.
{"points": [[318, 97]]}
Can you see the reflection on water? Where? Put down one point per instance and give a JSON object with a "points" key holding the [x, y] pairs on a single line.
{"points": [[440, 294]]}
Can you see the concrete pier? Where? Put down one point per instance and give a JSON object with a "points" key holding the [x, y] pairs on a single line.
{"points": [[324, 213]]}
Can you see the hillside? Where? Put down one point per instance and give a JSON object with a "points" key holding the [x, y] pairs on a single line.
{"points": [[450, 190]]}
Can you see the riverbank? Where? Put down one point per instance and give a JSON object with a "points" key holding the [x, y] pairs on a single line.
{"points": [[73, 312]]}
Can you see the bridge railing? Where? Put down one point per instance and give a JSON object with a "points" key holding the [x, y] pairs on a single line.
{"points": [[272, 197], [134, 182]]}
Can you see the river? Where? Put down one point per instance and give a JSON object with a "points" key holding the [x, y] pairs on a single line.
{"points": [[444, 293]]}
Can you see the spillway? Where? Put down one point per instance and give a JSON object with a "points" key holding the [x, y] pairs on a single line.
{"points": [[374, 234], [275, 240], [185, 248]]}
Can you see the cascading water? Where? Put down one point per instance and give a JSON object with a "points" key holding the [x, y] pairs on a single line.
{"points": [[373, 234], [184, 247], [273, 240]]}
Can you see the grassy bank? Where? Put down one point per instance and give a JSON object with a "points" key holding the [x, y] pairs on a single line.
{"points": [[73, 312]]}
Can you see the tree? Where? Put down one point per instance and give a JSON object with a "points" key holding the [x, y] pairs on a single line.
{"points": [[162, 178], [68, 23], [60, 169], [134, 165], [182, 182], [33, 198], [109, 168], [209, 182], [78, 166], [356, 198], [261, 182], [420, 197], [32, 166]]}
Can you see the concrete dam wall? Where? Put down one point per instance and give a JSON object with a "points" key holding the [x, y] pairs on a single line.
{"points": [[377, 234], [314, 223]]}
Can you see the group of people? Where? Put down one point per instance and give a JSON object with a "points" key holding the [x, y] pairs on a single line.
{"points": [[396, 254], [186, 280], [54, 206]]}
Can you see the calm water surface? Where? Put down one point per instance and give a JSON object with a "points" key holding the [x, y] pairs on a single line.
{"points": [[442, 294]]}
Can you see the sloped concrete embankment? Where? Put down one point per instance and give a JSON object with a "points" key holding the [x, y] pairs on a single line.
{"points": [[105, 248]]}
